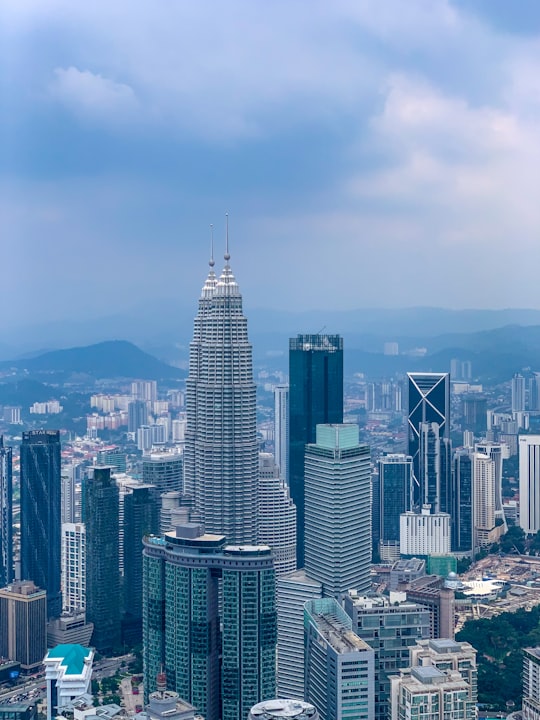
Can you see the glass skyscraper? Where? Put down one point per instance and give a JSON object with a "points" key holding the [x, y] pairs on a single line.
{"points": [[41, 514], [181, 622], [6, 515], [100, 510], [395, 490], [221, 452], [315, 397]]}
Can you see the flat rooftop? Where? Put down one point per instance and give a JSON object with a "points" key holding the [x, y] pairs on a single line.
{"points": [[340, 637]]}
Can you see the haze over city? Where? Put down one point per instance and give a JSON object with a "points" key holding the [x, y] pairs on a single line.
{"points": [[368, 156]]}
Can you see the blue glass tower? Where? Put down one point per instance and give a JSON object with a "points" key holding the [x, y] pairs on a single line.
{"points": [[41, 514], [6, 515]]}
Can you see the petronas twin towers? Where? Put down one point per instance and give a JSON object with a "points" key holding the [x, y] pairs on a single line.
{"points": [[221, 453]]}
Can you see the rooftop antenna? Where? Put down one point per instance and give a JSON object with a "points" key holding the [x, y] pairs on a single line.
{"points": [[227, 254], [211, 261]]}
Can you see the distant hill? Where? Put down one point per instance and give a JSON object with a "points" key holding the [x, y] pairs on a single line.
{"points": [[110, 359]]}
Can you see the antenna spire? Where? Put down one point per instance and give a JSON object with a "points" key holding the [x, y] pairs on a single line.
{"points": [[211, 262], [227, 254]]}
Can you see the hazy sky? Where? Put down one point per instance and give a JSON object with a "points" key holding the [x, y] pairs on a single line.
{"points": [[370, 153]]}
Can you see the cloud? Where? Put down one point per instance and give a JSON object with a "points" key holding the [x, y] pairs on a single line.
{"points": [[92, 96]]}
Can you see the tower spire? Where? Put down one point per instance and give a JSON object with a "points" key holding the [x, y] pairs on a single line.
{"points": [[211, 262], [227, 255]]}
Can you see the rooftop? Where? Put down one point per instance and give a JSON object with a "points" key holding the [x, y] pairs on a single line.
{"points": [[338, 635], [73, 657], [280, 708]]}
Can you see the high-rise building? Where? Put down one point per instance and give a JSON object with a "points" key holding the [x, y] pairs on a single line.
{"points": [[293, 591], [339, 673], [390, 627], [441, 694], [485, 529], [429, 402], [67, 492], [518, 393], [429, 590], [448, 654], [462, 530], [68, 674], [424, 533], [315, 397], [395, 497], [277, 516], [474, 411], [137, 415], [6, 514], [141, 517], [529, 483], [221, 452], [113, 457], [164, 470], [497, 452], [281, 430], [73, 567], [40, 514], [531, 684], [144, 390], [337, 510], [23, 623], [103, 598], [181, 621]]}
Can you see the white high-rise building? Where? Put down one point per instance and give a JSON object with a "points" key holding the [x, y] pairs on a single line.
{"points": [[484, 492], [281, 430], [277, 516], [73, 558], [292, 592], [518, 393], [221, 453], [424, 533], [338, 510], [529, 483]]}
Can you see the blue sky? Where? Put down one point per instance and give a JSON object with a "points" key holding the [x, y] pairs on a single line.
{"points": [[369, 153]]}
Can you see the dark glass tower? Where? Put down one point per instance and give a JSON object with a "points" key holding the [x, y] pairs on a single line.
{"points": [[315, 398], [100, 513], [41, 514], [141, 517], [395, 478], [462, 512], [6, 515]]}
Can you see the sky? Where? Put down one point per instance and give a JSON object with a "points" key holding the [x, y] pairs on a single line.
{"points": [[370, 153]]}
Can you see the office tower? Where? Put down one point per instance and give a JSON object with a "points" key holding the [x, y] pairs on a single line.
{"points": [[446, 654], [424, 533], [339, 675], [103, 598], [375, 499], [434, 468], [518, 393], [141, 517], [337, 510], [281, 430], [390, 627], [67, 493], [395, 482], [534, 392], [430, 591], [529, 483], [137, 415], [40, 514], [6, 514], [474, 414], [73, 567], [68, 675], [23, 624], [531, 684], [144, 390], [315, 397], [484, 500], [292, 591], [441, 695], [462, 524], [497, 452], [114, 458], [429, 402], [164, 470], [69, 629], [277, 516], [181, 621], [221, 452], [279, 708]]}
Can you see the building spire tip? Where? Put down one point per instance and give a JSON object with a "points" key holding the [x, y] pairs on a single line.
{"points": [[227, 255], [211, 262]]}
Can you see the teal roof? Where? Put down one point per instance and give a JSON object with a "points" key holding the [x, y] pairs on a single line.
{"points": [[73, 657]]}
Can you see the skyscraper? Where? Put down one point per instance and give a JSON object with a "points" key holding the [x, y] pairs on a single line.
{"points": [[429, 402], [137, 415], [41, 514], [6, 515], [101, 517], [337, 510], [221, 453], [529, 483], [518, 393], [462, 512], [484, 499], [277, 516], [281, 430], [315, 397], [23, 623], [73, 567], [395, 483], [163, 470], [181, 622]]}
